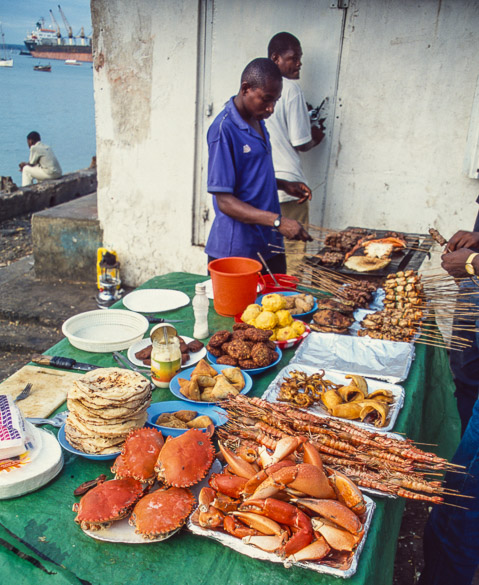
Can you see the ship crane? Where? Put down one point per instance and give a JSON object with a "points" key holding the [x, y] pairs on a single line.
{"points": [[55, 24], [67, 25]]}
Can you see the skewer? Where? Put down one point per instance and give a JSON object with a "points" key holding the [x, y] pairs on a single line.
{"points": [[260, 256]]}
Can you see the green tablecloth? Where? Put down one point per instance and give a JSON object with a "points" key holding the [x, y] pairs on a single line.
{"points": [[56, 551]]}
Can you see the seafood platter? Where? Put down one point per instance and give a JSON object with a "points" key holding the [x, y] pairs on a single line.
{"points": [[369, 403]]}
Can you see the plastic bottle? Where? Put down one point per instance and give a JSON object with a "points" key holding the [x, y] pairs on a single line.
{"points": [[200, 308]]}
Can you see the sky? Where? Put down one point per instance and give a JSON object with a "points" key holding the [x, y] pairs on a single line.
{"points": [[18, 17]]}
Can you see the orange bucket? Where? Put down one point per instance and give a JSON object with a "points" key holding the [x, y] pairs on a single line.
{"points": [[235, 283]]}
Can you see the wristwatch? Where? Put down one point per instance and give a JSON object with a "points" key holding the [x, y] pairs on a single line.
{"points": [[469, 267], [277, 221]]}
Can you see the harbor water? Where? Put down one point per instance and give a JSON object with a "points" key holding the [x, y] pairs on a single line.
{"points": [[57, 104]]}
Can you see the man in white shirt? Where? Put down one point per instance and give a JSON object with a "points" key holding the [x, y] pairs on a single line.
{"points": [[291, 133], [42, 164]]}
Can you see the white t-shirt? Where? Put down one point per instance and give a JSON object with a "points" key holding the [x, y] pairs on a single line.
{"points": [[289, 126]]}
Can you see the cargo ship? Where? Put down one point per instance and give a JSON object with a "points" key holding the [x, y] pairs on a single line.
{"points": [[47, 43]]}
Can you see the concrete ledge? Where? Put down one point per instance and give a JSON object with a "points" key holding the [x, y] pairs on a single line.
{"points": [[47, 193], [65, 241]]}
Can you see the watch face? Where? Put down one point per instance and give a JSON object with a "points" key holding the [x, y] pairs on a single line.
{"points": [[470, 269]]}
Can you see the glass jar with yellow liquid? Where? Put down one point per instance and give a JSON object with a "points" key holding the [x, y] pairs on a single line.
{"points": [[165, 354]]}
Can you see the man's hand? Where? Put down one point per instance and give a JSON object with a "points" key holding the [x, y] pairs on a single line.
{"points": [[463, 239], [21, 165], [317, 132], [454, 263], [293, 230], [296, 189]]}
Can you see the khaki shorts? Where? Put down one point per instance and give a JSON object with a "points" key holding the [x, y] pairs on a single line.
{"points": [[295, 250]]}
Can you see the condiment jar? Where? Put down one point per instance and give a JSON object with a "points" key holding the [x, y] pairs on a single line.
{"points": [[165, 355]]}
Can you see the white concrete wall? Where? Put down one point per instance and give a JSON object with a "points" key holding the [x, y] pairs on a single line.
{"points": [[407, 80], [406, 85], [145, 56]]}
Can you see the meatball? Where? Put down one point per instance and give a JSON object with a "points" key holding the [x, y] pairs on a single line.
{"points": [[239, 334], [241, 326], [215, 351], [262, 355], [239, 349], [257, 335], [218, 338], [227, 360], [246, 364]]}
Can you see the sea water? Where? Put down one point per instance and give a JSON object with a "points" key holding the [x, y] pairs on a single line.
{"points": [[58, 105]]}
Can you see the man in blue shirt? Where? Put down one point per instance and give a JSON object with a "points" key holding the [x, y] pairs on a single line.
{"points": [[241, 175]]}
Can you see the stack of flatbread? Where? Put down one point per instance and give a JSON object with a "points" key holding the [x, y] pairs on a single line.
{"points": [[105, 405], [207, 385]]}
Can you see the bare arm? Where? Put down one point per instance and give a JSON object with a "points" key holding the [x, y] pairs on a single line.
{"points": [[246, 213], [317, 133]]}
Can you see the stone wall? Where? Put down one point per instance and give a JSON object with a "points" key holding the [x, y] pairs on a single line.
{"points": [[47, 193]]}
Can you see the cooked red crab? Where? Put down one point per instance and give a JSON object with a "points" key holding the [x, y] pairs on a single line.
{"points": [[107, 502], [162, 511], [139, 455], [185, 460]]}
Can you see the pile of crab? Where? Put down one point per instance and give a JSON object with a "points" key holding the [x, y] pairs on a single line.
{"points": [[285, 503], [176, 464]]}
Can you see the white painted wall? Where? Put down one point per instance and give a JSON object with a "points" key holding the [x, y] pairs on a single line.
{"points": [[406, 86], [145, 56], [407, 81]]}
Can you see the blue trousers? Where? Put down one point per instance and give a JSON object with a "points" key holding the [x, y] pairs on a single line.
{"points": [[451, 536], [465, 363]]}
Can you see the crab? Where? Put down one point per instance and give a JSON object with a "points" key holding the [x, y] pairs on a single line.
{"points": [[162, 512], [139, 455], [299, 511], [107, 502], [185, 460]]}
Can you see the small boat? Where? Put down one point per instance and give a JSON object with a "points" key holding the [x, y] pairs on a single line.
{"points": [[72, 62], [4, 62], [42, 67]]}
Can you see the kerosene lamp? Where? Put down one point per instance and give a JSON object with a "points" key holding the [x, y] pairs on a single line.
{"points": [[108, 279]]}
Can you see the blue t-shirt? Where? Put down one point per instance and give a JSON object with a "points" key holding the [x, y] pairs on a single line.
{"points": [[240, 163]]}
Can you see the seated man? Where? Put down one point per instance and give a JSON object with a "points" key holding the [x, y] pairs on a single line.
{"points": [[43, 164]]}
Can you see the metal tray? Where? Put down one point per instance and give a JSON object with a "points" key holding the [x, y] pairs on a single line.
{"points": [[255, 553], [272, 392], [409, 259]]}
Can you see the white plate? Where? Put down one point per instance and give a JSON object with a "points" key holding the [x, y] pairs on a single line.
{"points": [[155, 300], [102, 331], [139, 345], [43, 463], [121, 531]]}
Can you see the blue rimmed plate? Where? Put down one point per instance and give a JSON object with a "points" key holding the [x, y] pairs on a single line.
{"points": [[252, 371], [186, 374], [290, 294], [66, 445], [216, 414]]}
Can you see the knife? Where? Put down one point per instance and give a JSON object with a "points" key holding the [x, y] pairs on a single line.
{"points": [[162, 320], [62, 362]]}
